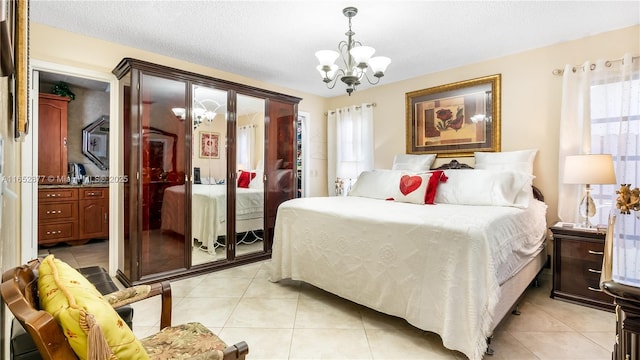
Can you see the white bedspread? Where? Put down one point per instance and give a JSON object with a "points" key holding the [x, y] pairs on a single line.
{"points": [[209, 210], [433, 265]]}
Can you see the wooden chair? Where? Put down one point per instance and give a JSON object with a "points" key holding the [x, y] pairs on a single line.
{"points": [[20, 293]]}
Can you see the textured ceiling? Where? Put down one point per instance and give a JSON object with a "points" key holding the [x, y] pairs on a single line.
{"points": [[275, 41]]}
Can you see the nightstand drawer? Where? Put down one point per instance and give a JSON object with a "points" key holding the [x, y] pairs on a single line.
{"points": [[582, 278], [584, 251]]}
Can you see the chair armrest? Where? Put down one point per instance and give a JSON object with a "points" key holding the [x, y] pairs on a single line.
{"points": [[140, 292]]}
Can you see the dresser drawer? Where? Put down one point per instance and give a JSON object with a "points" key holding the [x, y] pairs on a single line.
{"points": [[56, 232], [57, 211], [94, 193], [45, 195]]}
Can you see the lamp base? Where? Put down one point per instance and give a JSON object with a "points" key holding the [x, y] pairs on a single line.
{"points": [[587, 208]]}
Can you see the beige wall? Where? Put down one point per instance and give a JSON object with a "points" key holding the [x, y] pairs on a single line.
{"points": [[531, 98], [530, 94], [61, 47]]}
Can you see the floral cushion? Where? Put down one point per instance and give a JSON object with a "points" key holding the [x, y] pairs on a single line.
{"points": [[187, 341]]}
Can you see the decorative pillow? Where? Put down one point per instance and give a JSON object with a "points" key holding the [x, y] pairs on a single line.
{"points": [[245, 178], [485, 187], [411, 162], [520, 160], [376, 184], [257, 180], [412, 188], [87, 319]]}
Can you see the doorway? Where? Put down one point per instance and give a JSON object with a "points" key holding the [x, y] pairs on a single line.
{"points": [[93, 100]]}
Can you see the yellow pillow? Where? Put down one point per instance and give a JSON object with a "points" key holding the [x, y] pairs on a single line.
{"points": [[77, 306]]}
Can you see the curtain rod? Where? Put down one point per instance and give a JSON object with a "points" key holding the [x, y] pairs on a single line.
{"points": [[357, 107], [607, 63]]}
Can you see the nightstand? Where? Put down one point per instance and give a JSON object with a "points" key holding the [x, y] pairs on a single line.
{"points": [[577, 264]]}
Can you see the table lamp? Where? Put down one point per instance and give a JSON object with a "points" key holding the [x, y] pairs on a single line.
{"points": [[589, 169]]}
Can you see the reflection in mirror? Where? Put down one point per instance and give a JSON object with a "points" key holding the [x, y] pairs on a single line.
{"points": [[209, 171], [162, 144], [250, 167], [95, 142]]}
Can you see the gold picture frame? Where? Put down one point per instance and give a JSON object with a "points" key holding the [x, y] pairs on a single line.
{"points": [[455, 119], [209, 145]]}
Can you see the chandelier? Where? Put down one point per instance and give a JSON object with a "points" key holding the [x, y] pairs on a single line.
{"points": [[200, 112], [356, 59]]}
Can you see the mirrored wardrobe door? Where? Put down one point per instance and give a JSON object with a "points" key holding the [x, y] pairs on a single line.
{"points": [[250, 197], [209, 171], [162, 245]]}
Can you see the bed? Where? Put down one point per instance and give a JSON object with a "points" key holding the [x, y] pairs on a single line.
{"points": [[209, 211], [452, 269]]}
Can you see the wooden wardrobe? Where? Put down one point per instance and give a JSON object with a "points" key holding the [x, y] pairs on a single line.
{"points": [[185, 138]]}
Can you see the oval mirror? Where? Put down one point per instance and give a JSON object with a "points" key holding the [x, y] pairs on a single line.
{"points": [[95, 142]]}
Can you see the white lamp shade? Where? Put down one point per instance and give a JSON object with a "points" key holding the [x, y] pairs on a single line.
{"points": [[379, 64], [178, 112], [327, 57], [589, 169], [362, 54]]}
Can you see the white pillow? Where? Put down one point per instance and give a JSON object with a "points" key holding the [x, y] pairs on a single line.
{"points": [[376, 184], [485, 187], [520, 160], [412, 162], [257, 182]]}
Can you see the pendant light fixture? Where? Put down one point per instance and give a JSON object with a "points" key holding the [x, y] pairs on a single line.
{"points": [[356, 60]]}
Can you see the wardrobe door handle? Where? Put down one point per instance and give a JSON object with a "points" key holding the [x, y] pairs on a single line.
{"points": [[596, 252]]}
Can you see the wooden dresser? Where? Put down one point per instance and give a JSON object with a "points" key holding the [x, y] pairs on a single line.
{"points": [[72, 214], [577, 265]]}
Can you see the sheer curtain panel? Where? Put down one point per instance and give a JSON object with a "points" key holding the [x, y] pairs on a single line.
{"points": [[246, 139], [575, 135], [349, 146]]}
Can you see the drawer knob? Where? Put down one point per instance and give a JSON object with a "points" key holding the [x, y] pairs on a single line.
{"points": [[596, 252], [595, 271], [594, 289]]}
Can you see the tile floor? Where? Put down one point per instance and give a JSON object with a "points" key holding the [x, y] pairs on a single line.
{"points": [[293, 320]]}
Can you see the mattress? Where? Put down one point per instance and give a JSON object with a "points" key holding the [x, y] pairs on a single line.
{"points": [[437, 266]]}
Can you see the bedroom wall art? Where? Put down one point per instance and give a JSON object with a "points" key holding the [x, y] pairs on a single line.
{"points": [[209, 142], [455, 119]]}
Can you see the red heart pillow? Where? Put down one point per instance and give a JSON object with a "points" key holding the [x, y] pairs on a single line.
{"points": [[409, 184], [419, 188]]}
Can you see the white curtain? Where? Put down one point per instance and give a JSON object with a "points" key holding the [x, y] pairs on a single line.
{"points": [[615, 113], [246, 141], [349, 146], [575, 134]]}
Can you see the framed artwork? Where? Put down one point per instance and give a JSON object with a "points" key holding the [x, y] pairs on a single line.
{"points": [[455, 119], [209, 145]]}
